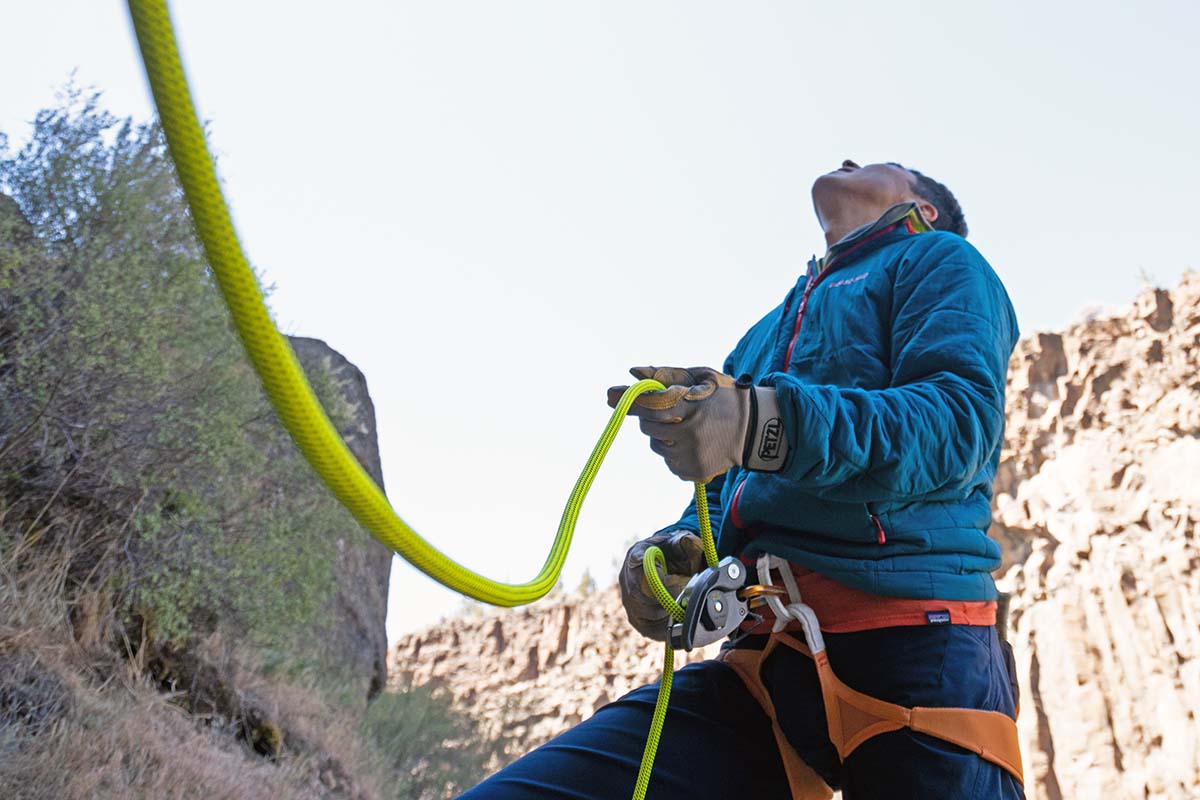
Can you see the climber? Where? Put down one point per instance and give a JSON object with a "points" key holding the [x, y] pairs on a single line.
{"points": [[855, 432]]}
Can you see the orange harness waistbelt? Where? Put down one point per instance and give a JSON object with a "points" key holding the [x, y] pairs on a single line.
{"points": [[854, 717]]}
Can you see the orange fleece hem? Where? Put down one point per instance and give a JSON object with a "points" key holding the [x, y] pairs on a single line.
{"points": [[842, 609]]}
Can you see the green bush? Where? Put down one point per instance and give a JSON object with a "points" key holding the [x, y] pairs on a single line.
{"points": [[140, 462], [124, 396]]}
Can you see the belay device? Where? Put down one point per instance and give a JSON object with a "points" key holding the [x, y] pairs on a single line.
{"points": [[712, 609]]}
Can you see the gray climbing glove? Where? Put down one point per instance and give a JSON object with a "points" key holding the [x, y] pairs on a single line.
{"points": [[684, 554], [705, 422]]}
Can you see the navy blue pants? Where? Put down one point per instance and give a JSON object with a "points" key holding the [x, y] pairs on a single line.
{"points": [[717, 742]]}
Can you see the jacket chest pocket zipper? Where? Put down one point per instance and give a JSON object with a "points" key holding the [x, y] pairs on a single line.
{"points": [[881, 534], [734, 516]]}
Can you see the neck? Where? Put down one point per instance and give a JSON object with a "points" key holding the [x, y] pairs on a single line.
{"points": [[839, 219], [837, 228], [836, 231]]}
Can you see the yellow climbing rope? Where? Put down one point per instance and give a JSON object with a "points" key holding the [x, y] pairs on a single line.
{"points": [[652, 561], [273, 359], [301, 412]]}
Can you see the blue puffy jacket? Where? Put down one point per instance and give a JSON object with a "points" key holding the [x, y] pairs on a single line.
{"points": [[889, 360]]}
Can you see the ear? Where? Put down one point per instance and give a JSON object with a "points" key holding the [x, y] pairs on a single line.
{"points": [[928, 210]]}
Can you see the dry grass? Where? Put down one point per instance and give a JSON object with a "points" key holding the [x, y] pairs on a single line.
{"points": [[166, 557], [79, 721], [120, 741]]}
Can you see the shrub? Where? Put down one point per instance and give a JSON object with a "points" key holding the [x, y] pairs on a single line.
{"points": [[149, 498], [124, 392]]}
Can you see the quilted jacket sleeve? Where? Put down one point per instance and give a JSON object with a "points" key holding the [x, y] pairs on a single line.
{"points": [[938, 423]]}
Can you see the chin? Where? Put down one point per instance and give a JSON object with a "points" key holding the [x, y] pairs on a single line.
{"points": [[828, 181]]}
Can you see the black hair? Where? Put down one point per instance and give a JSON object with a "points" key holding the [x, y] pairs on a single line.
{"points": [[950, 213]]}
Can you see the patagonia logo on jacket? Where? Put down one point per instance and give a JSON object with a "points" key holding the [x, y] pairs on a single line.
{"points": [[848, 281]]}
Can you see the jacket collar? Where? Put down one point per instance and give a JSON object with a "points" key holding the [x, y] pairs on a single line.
{"points": [[903, 216]]}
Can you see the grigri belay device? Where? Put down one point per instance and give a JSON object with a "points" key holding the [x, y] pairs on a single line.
{"points": [[716, 602]]}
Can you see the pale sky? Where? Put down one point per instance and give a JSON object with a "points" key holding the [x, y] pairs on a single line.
{"points": [[494, 209]]}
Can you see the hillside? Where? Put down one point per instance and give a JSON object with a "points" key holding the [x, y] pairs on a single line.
{"points": [[185, 610], [1097, 505]]}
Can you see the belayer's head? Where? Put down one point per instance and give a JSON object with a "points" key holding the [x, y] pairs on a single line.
{"points": [[853, 196]]}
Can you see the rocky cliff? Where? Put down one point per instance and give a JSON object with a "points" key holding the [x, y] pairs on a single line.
{"points": [[530, 673], [359, 603], [1097, 505]]}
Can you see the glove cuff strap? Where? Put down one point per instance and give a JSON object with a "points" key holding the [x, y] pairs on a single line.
{"points": [[766, 443]]}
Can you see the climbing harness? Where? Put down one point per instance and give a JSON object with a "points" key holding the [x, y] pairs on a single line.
{"points": [[712, 605], [853, 717], [717, 602]]}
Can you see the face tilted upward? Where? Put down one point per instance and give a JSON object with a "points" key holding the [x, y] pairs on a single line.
{"points": [[876, 184], [852, 195]]}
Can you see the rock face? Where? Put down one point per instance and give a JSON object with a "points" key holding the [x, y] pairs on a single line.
{"points": [[529, 674], [1097, 507], [1097, 504], [359, 606]]}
